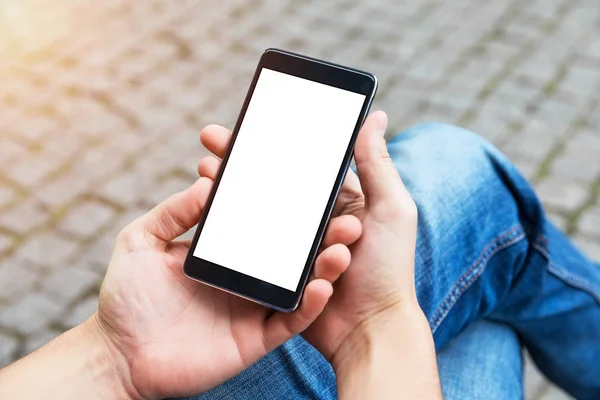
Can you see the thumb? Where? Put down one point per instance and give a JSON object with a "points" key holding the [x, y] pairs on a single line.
{"points": [[378, 176], [168, 220]]}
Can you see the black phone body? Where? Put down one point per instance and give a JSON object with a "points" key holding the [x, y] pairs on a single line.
{"points": [[290, 150]]}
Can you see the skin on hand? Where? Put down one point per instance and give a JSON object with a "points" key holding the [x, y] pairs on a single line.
{"points": [[363, 330], [159, 334], [381, 274], [178, 337]]}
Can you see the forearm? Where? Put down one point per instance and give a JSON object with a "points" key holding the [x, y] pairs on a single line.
{"points": [[391, 358], [79, 364]]}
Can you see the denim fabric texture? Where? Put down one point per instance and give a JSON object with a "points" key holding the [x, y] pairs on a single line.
{"points": [[485, 250], [483, 362]]}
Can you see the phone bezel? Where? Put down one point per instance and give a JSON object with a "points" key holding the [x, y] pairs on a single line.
{"points": [[246, 286]]}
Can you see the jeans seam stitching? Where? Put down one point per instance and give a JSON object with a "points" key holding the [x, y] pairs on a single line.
{"points": [[562, 274], [465, 280], [483, 254], [478, 273]]}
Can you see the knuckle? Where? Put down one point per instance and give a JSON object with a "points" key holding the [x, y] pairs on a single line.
{"points": [[385, 159], [125, 236], [129, 236]]}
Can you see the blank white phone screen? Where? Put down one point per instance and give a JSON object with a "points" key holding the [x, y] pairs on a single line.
{"points": [[280, 174]]}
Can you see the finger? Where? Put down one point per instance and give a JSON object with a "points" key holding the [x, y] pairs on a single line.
{"points": [[216, 139], [209, 167], [379, 178], [332, 262], [170, 219], [283, 326], [345, 229]]}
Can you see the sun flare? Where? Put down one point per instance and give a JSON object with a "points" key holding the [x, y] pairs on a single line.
{"points": [[32, 26]]}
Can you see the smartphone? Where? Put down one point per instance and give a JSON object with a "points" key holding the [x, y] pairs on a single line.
{"points": [[271, 201]]}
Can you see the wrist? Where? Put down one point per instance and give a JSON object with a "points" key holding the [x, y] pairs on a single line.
{"points": [[82, 363], [106, 363], [380, 330], [388, 354]]}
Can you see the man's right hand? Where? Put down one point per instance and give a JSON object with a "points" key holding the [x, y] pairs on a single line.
{"points": [[377, 292]]}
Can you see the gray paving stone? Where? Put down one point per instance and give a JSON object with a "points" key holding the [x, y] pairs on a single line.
{"points": [[500, 108], [478, 72], [554, 393], [519, 31], [576, 21], [557, 53], [489, 126], [584, 143], [8, 348], [123, 189], [536, 126], [535, 383], [526, 167], [590, 246], [98, 163], [23, 217], [10, 151], [529, 145], [62, 191], [558, 219], [15, 280], [555, 111], [48, 250], [163, 189], [97, 256], [581, 79], [562, 195], [589, 224], [579, 102], [430, 69], [66, 285], [81, 312], [544, 9], [501, 51], [7, 195], [539, 67], [31, 170], [86, 219], [39, 339], [593, 49], [579, 169], [518, 88], [35, 129], [5, 242], [457, 96], [30, 314], [64, 145]]}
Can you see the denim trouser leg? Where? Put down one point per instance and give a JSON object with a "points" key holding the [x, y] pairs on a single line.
{"points": [[483, 362], [484, 250]]}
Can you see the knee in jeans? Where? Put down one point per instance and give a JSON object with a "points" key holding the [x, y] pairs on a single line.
{"points": [[443, 161]]}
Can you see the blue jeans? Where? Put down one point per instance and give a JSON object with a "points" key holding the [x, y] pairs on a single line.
{"points": [[491, 273]]}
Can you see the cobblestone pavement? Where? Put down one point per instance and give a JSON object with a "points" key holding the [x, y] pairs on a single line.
{"points": [[101, 103]]}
